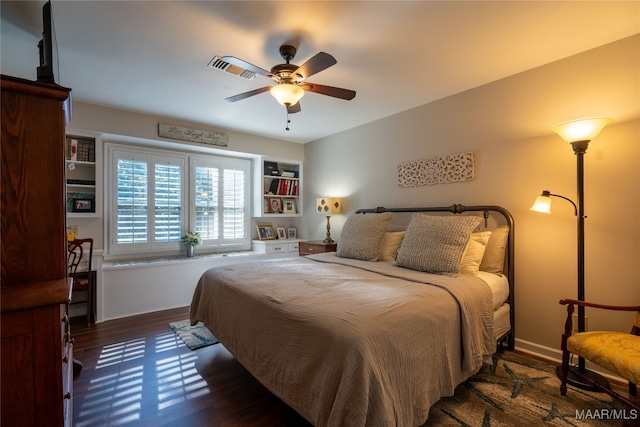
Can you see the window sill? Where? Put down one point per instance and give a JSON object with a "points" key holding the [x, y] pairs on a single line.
{"points": [[112, 265]]}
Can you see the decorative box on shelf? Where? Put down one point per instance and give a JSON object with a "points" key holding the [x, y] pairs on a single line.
{"points": [[279, 248]]}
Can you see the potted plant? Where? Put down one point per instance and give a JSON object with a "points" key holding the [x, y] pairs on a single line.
{"points": [[191, 239]]}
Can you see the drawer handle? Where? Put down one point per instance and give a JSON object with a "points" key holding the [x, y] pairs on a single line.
{"points": [[311, 249]]}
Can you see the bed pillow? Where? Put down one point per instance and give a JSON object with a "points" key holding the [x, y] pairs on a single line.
{"points": [[362, 236], [493, 259], [390, 245], [435, 244], [473, 253]]}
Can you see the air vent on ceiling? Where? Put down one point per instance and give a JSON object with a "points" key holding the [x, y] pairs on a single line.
{"points": [[218, 64]]}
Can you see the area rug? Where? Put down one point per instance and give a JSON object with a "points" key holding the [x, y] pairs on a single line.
{"points": [[519, 391], [194, 337]]}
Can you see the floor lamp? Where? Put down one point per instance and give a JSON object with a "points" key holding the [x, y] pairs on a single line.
{"points": [[578, 133]]}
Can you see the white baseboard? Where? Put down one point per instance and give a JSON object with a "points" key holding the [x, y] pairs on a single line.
{"points": [[551, 354]]}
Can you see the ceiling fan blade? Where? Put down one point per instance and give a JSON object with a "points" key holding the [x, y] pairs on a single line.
{"points": [[295, 108], [321, 61], [247, 94], [247, 66], [336, 92]]}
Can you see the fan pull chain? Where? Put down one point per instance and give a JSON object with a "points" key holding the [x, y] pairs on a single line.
{"points": [[288, 121]]}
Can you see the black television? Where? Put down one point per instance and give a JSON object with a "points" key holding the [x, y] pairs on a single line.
{"points": [[45, 46]]}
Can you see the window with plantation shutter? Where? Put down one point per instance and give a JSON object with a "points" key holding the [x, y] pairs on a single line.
{"points": [[221, 213], [168, 202], [131, 207], [233, 205], [149, 201], [154, 200], [206, 206]]}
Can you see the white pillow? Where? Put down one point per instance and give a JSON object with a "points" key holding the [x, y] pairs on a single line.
{"points": [[473, 253], [390, 245]]}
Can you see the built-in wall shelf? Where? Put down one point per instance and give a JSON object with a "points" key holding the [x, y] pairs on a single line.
{"points": [[278, 188], [84, 183]]}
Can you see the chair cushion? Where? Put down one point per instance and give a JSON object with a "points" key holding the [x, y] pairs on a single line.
{"points": [[618, 352]]}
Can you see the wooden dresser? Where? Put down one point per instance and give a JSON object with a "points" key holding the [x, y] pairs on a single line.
{"points": [[37, 352]]}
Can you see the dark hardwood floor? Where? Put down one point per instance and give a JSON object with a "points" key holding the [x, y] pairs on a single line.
{"points": [[138, 373]]}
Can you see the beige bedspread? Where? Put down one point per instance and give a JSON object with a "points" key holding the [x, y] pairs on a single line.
{"points": [[346, 342]]}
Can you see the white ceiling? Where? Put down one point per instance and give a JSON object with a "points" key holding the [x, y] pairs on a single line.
{"points": [[152, 56]]}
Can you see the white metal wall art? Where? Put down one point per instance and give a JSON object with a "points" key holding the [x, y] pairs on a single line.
{"points": [[439, 170]]}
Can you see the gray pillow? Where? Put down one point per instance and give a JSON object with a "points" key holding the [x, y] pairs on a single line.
{"points": [[435, 244], [362, 236]]}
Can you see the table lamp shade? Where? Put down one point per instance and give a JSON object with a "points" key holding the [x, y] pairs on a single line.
{"points": [[328, 205]]}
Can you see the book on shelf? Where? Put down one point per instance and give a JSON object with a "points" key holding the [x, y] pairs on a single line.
{"points": [[79, 150], [80, 182], [281, 187]]}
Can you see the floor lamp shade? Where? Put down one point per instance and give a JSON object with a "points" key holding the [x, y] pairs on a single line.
{"points": [[581, 129], [542, 203]]}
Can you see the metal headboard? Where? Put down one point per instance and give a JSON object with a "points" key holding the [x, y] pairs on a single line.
{"points": [[458, 209]]}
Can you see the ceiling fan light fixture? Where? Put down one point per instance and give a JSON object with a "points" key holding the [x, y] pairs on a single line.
{"points": [[287, 94]]}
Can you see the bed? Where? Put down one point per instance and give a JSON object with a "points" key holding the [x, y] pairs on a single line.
{"points": [[377, 332]]}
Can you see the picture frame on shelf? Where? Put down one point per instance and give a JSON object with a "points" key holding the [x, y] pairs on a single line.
{"points": [[275, 205], [265, 232], [289, 205], [282, 234], [83, 205], [292, 232]]}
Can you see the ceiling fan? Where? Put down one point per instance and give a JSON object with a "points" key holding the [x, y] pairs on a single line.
{"points": [[290, 80]]}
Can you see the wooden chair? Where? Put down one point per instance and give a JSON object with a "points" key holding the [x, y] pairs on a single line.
{"points": [[82, 250], [618, 352]]}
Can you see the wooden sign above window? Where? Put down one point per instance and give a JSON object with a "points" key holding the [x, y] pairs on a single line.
{"points": [[192, 135]]}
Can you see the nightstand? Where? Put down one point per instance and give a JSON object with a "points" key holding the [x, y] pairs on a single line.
{"points": [[316, 247]]}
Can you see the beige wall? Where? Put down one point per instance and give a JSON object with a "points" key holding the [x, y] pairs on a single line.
{"points": [[506, 124]]}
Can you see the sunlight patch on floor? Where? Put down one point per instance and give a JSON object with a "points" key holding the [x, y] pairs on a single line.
{"points": [[178, 380], [125, 384], [112, 399], [121, 352], [169, 341]]}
